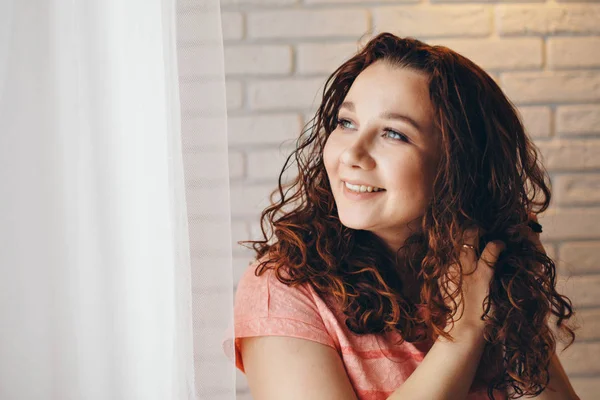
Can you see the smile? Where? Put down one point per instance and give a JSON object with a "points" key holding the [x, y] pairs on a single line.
{"points": [[355, 195]]}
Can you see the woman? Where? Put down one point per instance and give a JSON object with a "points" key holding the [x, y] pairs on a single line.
{"points": [[403, 265]]}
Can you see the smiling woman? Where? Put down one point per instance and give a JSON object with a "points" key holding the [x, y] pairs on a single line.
{"points": [[414, 178]]}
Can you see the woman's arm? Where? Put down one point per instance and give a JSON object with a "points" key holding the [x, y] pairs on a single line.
{"points": [[448, 369], [559, 387]]}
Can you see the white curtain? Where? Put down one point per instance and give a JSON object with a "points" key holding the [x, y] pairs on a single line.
{"points": [[115, 242]]}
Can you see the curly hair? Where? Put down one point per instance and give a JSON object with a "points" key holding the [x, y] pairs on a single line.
{"points": [[488, 177]]}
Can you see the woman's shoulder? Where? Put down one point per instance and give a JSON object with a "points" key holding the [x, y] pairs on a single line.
{"points": [[260, 293]]}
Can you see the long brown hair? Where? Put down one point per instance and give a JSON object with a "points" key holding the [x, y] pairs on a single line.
{"points": [[489, 177]]}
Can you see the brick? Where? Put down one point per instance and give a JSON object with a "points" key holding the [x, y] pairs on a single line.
{"points": [[212, 165], [547, 19], [586, 388], [537, 121], [439, 20], [358, 1], [588, 321], [323, 57], [259, 60], [570, 155], [236, 164], [234, 94], [297, 23], [579, 257], [578, 189], [264, 129], [239, 231], [578, 119], [573, 52], [201, 25], [584, 291], [241, 265], [232, 24], [285, 94], [571, 223], [250, 199], [268, 164], [581, 358], [270, 3], [551, 87], [493, 53]]}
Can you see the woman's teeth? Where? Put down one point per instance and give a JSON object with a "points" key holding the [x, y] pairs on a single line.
{"points": [[362, 188]]}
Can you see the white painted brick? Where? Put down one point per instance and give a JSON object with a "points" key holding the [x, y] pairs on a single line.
{"points": [[571, 223], [234, 94], [537, 121], [586, 388], [547, 19], [239, 231], [579, 258], [233, 25], [551, 87], [493, 53], [581, 358], [584, 291], [342, 22], [428, 20], [268, 129], [250, 199], [577, 189], [357, 1], [244, 396], [260, 60], [323, 57], [212, 165], [570, 155], [285, 94], [578, 119], [241, 383], [573, 52], [236, 164], [589, 324], [240, 265], [267, 164], [246, 3]]}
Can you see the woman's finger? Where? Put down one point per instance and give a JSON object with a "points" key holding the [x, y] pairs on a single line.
{"points": [[492, 252], [468, 253]]}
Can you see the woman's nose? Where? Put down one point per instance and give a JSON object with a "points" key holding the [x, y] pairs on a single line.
{"points": [[357, 155]]}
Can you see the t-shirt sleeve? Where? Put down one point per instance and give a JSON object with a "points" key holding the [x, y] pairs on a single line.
{"points": [[264, 306]]}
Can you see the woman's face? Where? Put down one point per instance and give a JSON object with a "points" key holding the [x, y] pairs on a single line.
{"points": [[375, 144]]}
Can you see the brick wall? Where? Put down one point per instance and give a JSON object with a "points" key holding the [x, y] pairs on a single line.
{"points": [[544, 54]]}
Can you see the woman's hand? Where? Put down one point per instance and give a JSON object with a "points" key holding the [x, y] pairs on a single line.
{"points": [[477, 274]]}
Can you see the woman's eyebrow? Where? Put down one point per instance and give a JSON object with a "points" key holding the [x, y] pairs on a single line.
{"points": [[387, 115]]}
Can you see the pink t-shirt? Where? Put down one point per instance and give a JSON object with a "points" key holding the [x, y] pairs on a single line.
{"points": [[376, 367]]}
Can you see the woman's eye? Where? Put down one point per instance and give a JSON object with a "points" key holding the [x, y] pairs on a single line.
{"points": [[341, 122], [398, 135]]}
